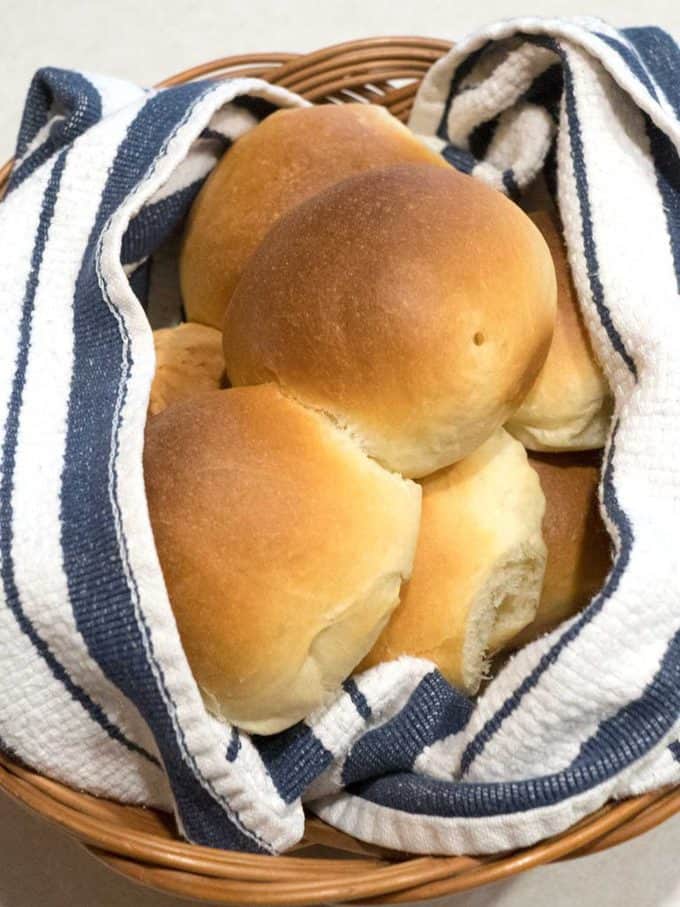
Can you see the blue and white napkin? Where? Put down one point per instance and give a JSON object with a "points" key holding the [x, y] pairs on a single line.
{"points": [[95, 689]]}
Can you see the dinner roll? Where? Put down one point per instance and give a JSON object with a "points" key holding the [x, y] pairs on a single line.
{"points": [[479, 563], [282, 546], [569, 407], [289, 157], [579, 554], [412, 304], [189, 360]]}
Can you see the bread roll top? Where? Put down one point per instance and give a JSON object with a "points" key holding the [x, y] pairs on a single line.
{"points": [[290, 156], [282, 546], [413, 304]]}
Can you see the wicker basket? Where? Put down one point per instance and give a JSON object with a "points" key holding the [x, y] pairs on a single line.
{"points": [[331, 866]]}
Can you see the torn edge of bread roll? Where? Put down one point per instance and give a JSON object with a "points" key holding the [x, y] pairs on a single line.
{"points": [[478, 567], [576, 538]]}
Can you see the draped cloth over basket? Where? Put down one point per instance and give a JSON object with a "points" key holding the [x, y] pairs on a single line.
{"points": [[95, 689]]}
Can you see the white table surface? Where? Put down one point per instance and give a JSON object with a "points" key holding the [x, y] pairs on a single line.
{"points": [[145, 40]]}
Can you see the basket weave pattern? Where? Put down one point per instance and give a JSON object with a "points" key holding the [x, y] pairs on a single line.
{"points": [[329, 866]]}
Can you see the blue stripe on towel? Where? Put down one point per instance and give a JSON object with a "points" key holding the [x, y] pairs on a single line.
{"points": [[155, 222], [667, 165], [462, 160], [36, 113], [661, 57], [589, 246], [640, 723], [36, 159], [101, 587], [234, 746], [293, 758], [464, 68], [434, 710], [12, 596], [630, 57], [420, 794], [618, 743], [81, 104], [544, 91], [360, 703], [624, 529]]}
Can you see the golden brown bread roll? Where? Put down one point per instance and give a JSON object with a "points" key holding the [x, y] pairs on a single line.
{"points": [[569, 407], [189, 360], [578, 544], [290, 156], [413, 304], [282, 546], [479, 563]]}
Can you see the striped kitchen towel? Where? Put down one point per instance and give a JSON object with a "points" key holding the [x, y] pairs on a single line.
{"points": [[95, 689]]}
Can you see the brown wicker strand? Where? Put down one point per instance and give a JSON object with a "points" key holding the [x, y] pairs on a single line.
{"points": [[405, 48], [115, 834], [657, 812], [547, 852], [224, 68], [360, 63]]}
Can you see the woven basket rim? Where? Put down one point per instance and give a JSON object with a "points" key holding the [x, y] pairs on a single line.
{"points": [[141, 843]]}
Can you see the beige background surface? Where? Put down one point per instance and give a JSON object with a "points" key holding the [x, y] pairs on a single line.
{"points": [[145, 41]]}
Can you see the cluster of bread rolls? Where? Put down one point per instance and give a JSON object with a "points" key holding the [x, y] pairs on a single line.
{"points": [[333, 462]]}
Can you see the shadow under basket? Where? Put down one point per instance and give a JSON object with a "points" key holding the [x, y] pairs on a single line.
{"points": [[328, 865]]}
